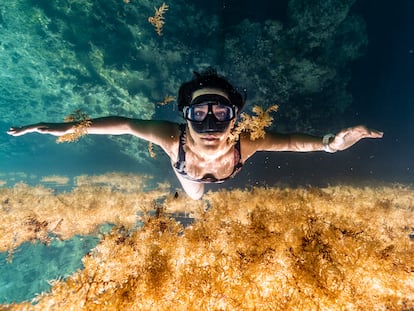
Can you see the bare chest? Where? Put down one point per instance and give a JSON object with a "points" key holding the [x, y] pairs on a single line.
{"points": [[220, 167]]}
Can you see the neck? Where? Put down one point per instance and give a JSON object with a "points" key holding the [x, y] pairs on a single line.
{"points": [[206, 151]]}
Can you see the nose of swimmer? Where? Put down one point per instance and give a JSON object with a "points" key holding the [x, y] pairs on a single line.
{"points": [[210, 123]]}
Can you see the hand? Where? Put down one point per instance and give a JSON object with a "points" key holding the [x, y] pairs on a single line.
{"points": [[350, 136], [56, 129]]}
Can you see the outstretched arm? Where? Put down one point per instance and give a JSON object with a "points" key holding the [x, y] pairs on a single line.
{"points": [[306, 143], [159, 132], [106, 125]]}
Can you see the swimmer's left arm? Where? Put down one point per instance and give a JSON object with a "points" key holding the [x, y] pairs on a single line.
{"points": [[306, 143]]}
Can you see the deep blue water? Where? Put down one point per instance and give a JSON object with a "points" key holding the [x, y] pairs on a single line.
{"points": [[382, 87]]}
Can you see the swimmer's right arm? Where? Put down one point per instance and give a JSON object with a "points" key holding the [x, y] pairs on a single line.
{"points": [[56, 129], [107, 125], [158, 132]]}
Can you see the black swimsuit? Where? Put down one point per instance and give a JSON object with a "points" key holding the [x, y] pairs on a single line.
{"points": [[180, 168]]}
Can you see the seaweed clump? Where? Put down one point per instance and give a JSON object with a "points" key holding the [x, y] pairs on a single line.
{"points": [[81, 121], [254, 125], [342, 248], [158, 19]]}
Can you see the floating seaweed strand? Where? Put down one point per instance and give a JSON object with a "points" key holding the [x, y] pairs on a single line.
{"points": [[80, 128], [158, 19], [254, 125]]}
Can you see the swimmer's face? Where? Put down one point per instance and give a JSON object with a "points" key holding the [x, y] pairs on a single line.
{"points": [[212, 117]]}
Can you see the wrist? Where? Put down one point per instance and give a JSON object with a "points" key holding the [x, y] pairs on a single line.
{"points": [[326, 140]]}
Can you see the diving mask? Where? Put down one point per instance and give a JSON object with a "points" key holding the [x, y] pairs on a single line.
{"points": [[210, 113]]}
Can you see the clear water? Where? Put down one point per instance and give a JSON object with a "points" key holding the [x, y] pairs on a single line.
{"points": [[105, 58]]}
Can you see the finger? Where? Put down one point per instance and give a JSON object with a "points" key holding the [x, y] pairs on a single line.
{"points": [[369, 133], [365, 132], [376, 134], [12, 131]]}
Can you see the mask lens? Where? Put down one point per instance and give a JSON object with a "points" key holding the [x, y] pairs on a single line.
{"points": [[223, 112], [199, 112]]}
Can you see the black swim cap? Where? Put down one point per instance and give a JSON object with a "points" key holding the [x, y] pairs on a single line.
{"points": [[208, 79]]}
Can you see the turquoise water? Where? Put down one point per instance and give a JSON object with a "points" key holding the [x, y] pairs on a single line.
{"points": [[328, 64], [26, 272]]}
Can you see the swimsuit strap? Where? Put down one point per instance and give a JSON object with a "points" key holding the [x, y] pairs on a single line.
{"points": [[180, 164]]}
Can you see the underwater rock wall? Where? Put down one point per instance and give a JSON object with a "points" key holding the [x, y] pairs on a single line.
{"points": [[301, 64]]}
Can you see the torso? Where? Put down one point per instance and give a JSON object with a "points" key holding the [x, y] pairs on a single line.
{"points": [[198, 166], [221, 167]]}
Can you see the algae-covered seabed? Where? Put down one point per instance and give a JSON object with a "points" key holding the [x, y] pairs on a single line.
{"points": [[337, 248]]}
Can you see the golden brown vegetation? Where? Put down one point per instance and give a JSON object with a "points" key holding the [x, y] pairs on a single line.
{"points": [[167, 99], [158, 19], [254, 125], [80, 128], [151, 150], [336, 248], [35, 213]]}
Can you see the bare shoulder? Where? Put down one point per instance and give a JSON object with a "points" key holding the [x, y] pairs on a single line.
{"points": [[163, 133], [168, 134], [248, 147]]}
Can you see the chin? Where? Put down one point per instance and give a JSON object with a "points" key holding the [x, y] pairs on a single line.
{"points": [[210, 141]]}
